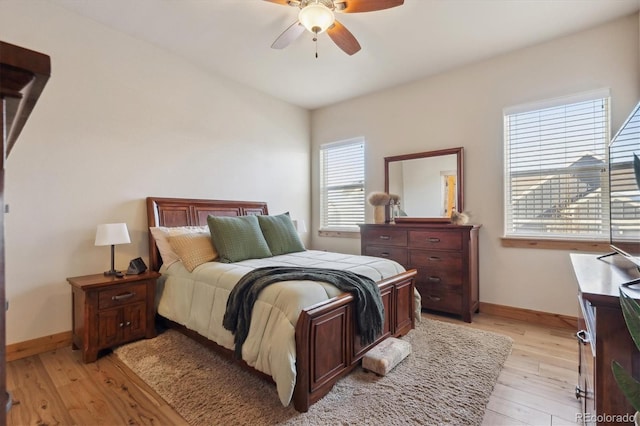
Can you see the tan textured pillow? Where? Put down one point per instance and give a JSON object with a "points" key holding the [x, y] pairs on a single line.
{"points": [[193, 249], [161, 234]]}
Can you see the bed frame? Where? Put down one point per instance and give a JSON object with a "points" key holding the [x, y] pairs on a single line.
{"points": [[327, 344]]}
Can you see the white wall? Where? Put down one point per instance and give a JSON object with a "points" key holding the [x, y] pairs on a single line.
{"points": [[120, 120], [463, 107]]}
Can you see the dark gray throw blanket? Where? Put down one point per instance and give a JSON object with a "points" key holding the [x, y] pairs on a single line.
{"points": [[369, 307]]}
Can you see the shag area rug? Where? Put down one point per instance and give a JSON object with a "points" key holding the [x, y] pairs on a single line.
{"points": [[447, 379]]}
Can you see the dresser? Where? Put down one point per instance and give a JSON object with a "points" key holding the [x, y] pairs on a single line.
{"points": [[444, 255], [603, 337]]}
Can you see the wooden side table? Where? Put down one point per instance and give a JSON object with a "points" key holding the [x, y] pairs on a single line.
{"points": [[109, 311]]}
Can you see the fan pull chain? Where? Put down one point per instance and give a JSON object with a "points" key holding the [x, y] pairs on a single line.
{"points": [[315, 39]]}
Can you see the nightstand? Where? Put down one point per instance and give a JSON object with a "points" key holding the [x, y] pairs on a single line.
{"points": [[109, 311]]}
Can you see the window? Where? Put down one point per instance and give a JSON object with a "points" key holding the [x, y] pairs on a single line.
{"points": [[556, 183], [342, 185]]}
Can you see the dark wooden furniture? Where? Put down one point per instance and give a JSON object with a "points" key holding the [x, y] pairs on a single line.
{"points": [[603, 336], [444, 255], [109, 311], [23, 75], [327, 344]]}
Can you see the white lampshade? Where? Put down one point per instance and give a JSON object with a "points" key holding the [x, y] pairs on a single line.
{"points": [[112, 233], [316, 18]]}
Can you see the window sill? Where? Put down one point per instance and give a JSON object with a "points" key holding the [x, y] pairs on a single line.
{"points": [[339, 234], [588, 246]]}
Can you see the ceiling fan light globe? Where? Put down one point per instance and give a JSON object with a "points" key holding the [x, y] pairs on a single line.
{"points": [[316, 18]]}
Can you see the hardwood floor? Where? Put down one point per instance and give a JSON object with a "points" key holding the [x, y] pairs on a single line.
{"points": [[536, 386]]}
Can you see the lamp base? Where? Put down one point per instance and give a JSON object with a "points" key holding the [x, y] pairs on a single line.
{"points": [[113, 273]]}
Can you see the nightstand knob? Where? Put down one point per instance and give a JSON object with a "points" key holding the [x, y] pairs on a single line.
{"points": [[121, 325], [128, 323]]}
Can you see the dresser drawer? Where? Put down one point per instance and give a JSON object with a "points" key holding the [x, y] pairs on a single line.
{"points": [[440, 300], [435, 260], [435, 239], [122, 295], [394, 253], [387, 237], [449, 280]]}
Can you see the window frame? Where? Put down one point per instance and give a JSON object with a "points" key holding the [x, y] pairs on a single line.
{"points": [[555, 241], [349, 231]]}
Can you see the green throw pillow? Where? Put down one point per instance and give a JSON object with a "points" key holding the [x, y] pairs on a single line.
{"points": [[281, 234], [237, 238]]}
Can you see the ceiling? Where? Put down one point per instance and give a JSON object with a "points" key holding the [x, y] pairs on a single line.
{"points": [[232, 38]]}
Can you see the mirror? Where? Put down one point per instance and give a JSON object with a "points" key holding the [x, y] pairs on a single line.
{"points": [[429, 184]]}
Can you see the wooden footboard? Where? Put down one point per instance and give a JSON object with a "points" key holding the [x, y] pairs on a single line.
{"points": [[328, 346]]}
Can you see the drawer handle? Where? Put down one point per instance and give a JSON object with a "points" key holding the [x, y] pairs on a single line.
{"points": [[121, 325], [123, 296], [385, 237], [583, 337], [435, 298], [433, 240], [128, 323], [434, 279], [434, 258], [384, 254]]}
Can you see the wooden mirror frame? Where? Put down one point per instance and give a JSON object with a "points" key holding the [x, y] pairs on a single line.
{"points": [[460, 182]]}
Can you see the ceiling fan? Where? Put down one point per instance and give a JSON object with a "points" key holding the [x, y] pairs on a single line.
{"points": [[317, 16]]}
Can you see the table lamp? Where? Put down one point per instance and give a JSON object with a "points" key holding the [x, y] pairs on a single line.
{"points": [[112, 234]]}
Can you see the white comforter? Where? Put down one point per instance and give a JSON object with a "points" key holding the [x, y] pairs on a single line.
{"points": [[198, 300]]}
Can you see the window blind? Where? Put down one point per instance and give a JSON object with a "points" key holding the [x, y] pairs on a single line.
{"points": [[342, 185], [556, 182]]}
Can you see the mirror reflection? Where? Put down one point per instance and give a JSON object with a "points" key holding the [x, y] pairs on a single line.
{"points": [[429, 184]]}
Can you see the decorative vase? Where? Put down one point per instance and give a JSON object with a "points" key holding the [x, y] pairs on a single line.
{"points": [[392, 212], [378, 214]]}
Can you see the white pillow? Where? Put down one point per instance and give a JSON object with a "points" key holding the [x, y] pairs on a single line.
{"points": [[161, 234]]}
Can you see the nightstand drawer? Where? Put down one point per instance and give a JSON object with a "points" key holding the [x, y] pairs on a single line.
{"points": [[437, 240], [122, 295]]}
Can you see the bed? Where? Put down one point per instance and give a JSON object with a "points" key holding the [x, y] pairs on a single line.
{"points": [[325, 345]]}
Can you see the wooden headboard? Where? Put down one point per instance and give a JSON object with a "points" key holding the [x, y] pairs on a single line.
{"points": [[191, 212]]}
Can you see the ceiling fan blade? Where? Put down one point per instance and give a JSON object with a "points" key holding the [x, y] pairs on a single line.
{"points": [[343, 38], [288, 36], [355, 6], [282, 2]]}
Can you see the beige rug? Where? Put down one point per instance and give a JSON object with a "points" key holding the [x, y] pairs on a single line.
{"points": [[447, 379]]}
